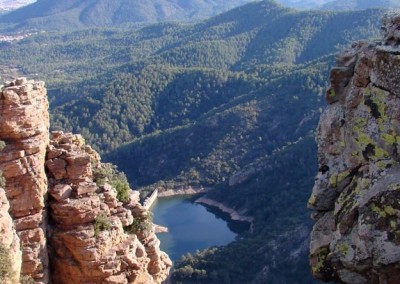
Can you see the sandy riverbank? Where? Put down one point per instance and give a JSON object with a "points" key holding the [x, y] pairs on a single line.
{"points": [[186, 191], [233, 213], [160, 229]]}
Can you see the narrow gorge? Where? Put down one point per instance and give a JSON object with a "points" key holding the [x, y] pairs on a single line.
{"points": [[64, 217]]}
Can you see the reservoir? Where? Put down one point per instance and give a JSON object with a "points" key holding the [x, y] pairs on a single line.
{"points": [[191, 226]]}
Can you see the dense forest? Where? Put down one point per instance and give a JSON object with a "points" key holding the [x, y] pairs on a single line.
{"points": [[229, 103]]}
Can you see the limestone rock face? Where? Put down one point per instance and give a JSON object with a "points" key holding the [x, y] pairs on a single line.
{"points": [[24, 127], [87, 239], [356, 237], [9, 240]]}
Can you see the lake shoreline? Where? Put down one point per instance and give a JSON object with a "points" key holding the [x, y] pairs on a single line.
{"points": [[183, 192], [191, 226], [234, 215]]}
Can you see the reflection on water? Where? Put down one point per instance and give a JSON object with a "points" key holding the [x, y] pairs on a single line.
{"points": [[191, 226]]}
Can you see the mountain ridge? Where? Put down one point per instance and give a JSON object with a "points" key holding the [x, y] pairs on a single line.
{"points": [[53, 15], [360, 4]]}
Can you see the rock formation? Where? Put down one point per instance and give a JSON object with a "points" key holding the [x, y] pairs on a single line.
{"points": [[356, 197], [88, 241], [72, 227], [24, 127], [10, 253]]}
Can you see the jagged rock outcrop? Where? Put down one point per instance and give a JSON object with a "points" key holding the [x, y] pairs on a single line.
{"points": [[60, 210], [356, 197], [88, 241], [24, 127], [10, 255]]}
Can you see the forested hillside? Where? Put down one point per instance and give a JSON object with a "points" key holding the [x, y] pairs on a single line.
{"points": [[230, 103]]}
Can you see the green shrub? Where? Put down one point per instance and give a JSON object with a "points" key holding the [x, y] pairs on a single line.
{"points": [[122, 188], [6, 272], [27, 279], [2, 180], [143, 223], [2, 145], [108, 173], [101, 223]]}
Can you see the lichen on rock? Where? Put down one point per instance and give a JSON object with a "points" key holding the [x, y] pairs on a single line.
{"points": [[356, 236]]}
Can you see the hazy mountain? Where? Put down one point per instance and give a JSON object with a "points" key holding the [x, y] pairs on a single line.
{"points": [[304, 4], [63, 14], [8, 5], [361, 4], [340, 4]]}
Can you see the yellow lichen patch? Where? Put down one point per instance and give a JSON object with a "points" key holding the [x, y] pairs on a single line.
{"points": [[394, 186], [342, 176], [389, 210], [321, 255], [343, 248], [381, 165], [378, 210], [364, 140], [365, 182], [389, 139], [312, 199], [333, 181], [379, 98], [360, 122], [380, 153], [393, 224]]}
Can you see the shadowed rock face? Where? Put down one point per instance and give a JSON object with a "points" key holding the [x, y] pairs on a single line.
{"points": [[356, 196], [55, 205]]}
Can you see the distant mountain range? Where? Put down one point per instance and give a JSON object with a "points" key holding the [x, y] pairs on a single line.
{"points": [[340, 4], [50, 14], [304, 4], [72, 14], [360, 4], [8, 5]]}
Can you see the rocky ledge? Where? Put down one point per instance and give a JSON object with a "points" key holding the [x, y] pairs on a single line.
{"points": [[72, 217], [356, 197], [92, 237]]}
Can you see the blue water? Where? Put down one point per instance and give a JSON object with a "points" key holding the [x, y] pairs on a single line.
{"points": [[191, 226]]}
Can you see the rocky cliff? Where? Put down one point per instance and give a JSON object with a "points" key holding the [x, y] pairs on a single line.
{"points": [[76, 223], [10, 252], [356, 197]]}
